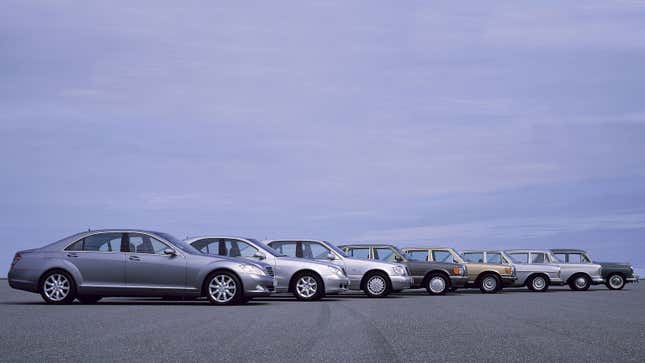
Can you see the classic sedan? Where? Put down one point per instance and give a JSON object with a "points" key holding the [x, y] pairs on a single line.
{"points": [[125, 262], [536, 277], [306, 279], [436, 277], [375, 278], [616, 274], [579, 276], [489, 277]]}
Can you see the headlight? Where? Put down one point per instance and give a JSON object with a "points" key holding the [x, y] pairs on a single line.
{"points": [[510, 270], [398, 270], [250, 269], [337, 270], [458, 270]]}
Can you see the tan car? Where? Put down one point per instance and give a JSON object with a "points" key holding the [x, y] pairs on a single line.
{"points": [[488, 277]]}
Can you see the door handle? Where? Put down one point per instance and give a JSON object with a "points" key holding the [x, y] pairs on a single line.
{"points": [[72, 255], [134, 258]]}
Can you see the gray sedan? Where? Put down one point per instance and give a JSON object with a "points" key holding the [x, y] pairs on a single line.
{"points": [[307, 280], [124, 262], [375, 278]]}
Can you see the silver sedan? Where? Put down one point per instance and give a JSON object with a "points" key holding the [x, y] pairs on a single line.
{"points": [[124, 262], [307, 280]]}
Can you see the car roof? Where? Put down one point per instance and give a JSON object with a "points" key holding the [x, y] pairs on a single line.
{"points": [[478, 251], [567, 250], [195, 238], [365, 245], [526, 251], [427, 248]]}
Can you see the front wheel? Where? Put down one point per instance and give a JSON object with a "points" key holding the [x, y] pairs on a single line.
{"points": [[538, 284], [489, 284], [223, 288], [437, 284], [615, 282], [377, 285], [58, 287], [580, 283], [308, 287]]}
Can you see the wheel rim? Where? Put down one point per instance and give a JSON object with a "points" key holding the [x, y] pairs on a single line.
{"points": [[306, 286], [56, 287], [616, 281], [222, 288], [489, 283], [376, 285], [581, 282], [539, 283], [437, 284]]}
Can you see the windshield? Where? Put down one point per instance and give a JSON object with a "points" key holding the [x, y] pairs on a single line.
{"points": [[336, 249], [179, 244], [403, 254], [266, 248]]}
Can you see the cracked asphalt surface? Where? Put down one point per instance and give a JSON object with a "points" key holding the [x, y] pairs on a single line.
{"points": [[516, 325]]}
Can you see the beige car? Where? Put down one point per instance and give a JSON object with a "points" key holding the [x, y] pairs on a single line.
{"points": [[488, 277]]}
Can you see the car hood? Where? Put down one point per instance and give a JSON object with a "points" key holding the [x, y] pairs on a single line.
{"points": [[260, 264], [613, 264]]}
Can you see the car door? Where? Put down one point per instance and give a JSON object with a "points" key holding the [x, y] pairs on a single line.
{"points": [[99, 259], [148, 267]]}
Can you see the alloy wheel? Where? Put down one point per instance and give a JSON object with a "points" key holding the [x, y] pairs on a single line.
{"points": [[376, 285], [306, 286], [57, 287], [222, 288]]}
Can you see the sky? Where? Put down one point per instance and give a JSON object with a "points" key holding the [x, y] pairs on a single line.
{"points": [[496, 124]]}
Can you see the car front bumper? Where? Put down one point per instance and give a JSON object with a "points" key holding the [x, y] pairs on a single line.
{"points": [[508, 281], [458, 281], [401, 282], [597, 280], [258, 285], [635, 278], [335, 284], [556, 281]]}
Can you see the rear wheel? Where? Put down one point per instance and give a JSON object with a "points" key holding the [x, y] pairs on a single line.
{"points": [[223, 288], [308, 286], [580, 283], [437, 284], [538, 283], [58, 287], [489, 284], [89, 299], [615, 282], [377, 285]]}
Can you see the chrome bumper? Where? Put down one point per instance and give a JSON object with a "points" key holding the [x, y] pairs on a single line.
{"points": [[635, 279], [556, 281], [597, 280]]}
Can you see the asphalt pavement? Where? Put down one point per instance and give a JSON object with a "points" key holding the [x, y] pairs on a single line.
{"points": [[516, 325]]}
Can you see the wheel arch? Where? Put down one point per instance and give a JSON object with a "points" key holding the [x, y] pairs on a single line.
{"points": [[216, 270], [575, 275], [488, 272], [426, 277], [41, 278], [368, 273], [292, 280], [535, 274]]}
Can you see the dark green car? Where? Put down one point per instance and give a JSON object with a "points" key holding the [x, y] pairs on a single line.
{"points": [[616, 274]]}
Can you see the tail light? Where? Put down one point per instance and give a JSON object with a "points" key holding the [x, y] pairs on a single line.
{"points": [[16, 258]]}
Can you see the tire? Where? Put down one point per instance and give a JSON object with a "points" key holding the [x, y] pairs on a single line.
{"points": [[437, 284], [57, 287], [89, 299], [538, 283], [308, 286], [615, 282], [377, 284], [223, 288], [580, 282], [490, 284]]}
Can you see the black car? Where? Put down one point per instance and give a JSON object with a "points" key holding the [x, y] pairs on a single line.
{"points": [[436, 277], [616, 274]]}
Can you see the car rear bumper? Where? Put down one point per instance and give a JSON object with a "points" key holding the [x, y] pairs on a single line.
{"points": [[23, 285], [401, 282], [335, 284]]}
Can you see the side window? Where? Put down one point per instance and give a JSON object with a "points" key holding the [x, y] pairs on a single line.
{"points": [[561, 257], [384, 254], [314, 251], [361, 252], [419, 255], [102, 242], [442, 256], [577, 258], [237, 248], [538, 257], [207, 245], [519, 257], [286, 248], [142, 243], [476, 257], [494, 258]]}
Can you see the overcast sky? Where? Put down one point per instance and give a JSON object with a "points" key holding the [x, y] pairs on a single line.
{"points": [[491, 124]]}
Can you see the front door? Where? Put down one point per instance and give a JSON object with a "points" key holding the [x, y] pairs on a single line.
{"points": [[148, 267]]}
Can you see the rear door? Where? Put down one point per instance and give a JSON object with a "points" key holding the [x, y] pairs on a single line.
{"points": [[100, 260]]}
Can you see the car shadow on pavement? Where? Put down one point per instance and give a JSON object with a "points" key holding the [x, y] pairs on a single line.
{"points": [[137, 302]]}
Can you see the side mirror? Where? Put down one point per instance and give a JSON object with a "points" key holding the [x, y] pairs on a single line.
{"points": [[331, 256], [170, 252], [259, 255], [398, 258]]}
